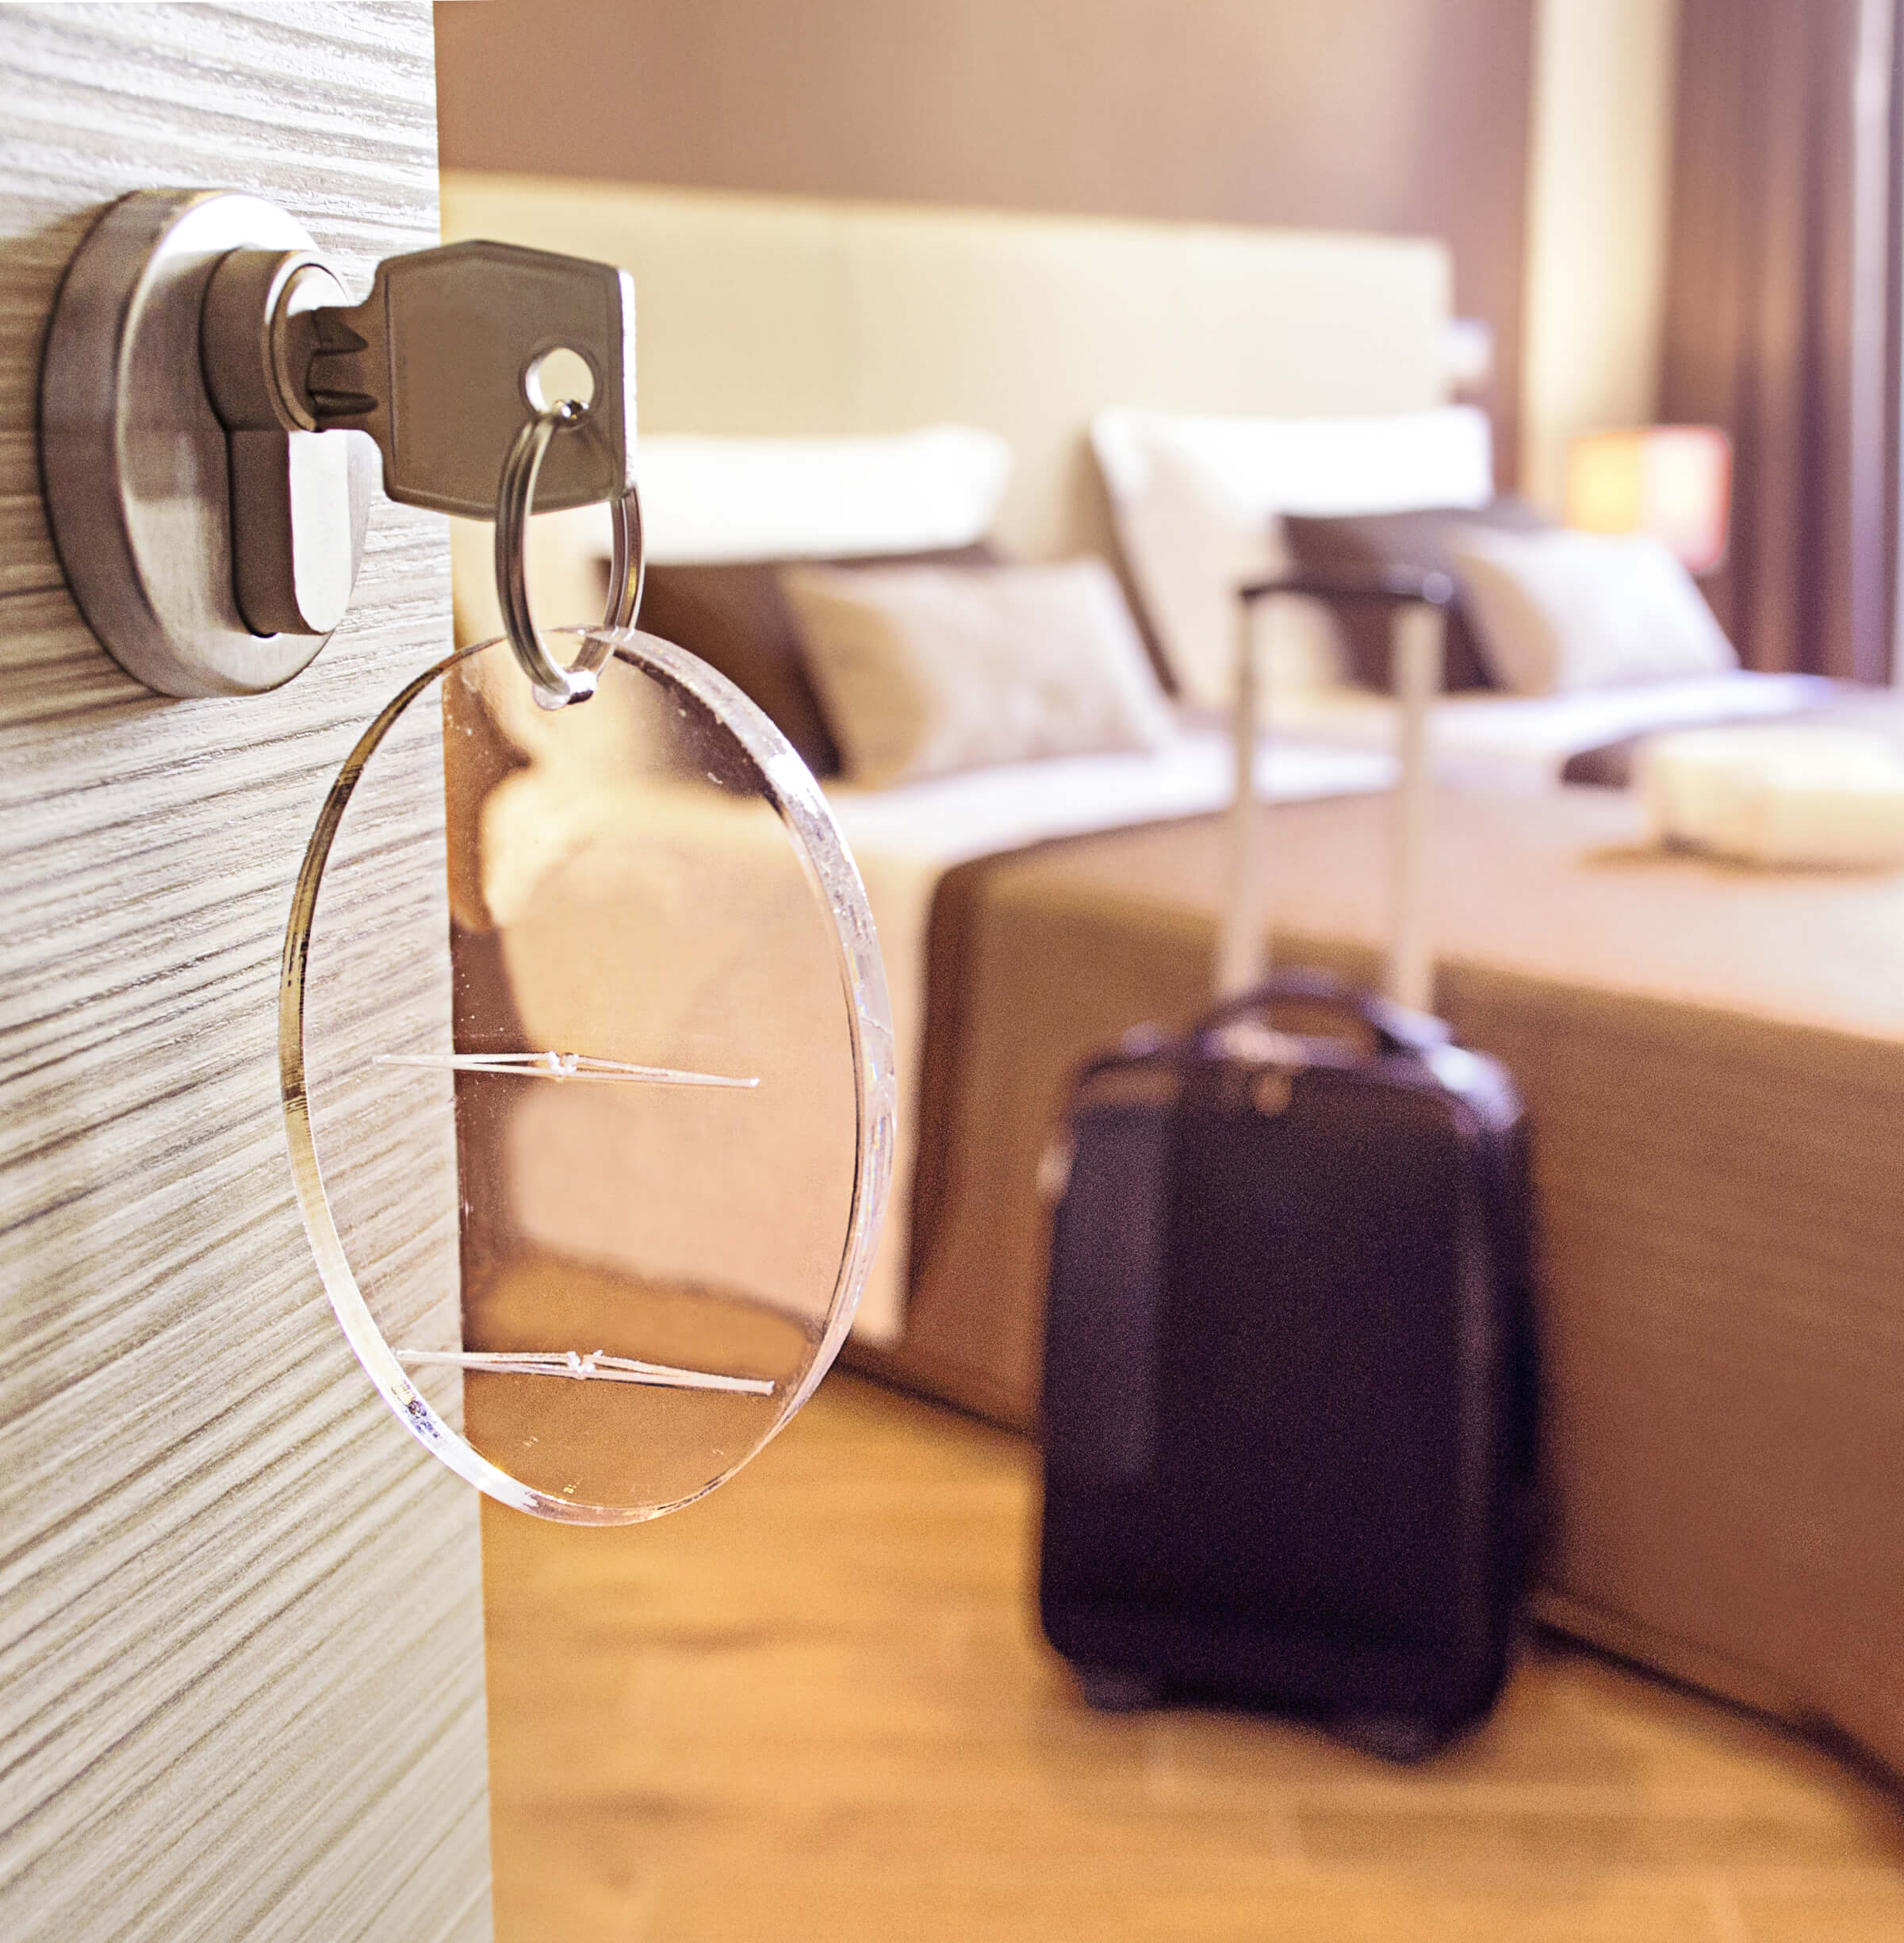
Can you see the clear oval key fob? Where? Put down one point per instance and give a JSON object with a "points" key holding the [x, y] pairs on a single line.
{"points": [[667, 1086]]}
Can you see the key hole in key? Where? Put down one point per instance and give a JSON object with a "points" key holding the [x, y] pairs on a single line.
{"points": [[558, 374]]}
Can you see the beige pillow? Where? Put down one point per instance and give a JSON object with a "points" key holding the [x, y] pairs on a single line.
{"points": [[923, 670], [1562, 610]]}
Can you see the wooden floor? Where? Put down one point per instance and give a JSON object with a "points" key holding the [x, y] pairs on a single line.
{"points": [[816, 1710]]}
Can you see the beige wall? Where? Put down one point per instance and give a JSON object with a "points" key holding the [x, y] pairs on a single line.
{"points": [[1398, 116], [1600, 180]]}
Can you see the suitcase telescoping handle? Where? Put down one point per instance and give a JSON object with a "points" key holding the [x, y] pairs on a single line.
{"points": [[1420, 601]]}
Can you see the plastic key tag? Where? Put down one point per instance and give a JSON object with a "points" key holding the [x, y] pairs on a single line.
{"points": [[653, 1119]]}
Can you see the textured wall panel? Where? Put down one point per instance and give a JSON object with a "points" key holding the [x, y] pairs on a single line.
{"points": [[240, 1631]]}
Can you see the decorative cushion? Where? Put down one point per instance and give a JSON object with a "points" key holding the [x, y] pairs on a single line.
{"points": [[1562, 610], [1373, 543], [736, 617], [925, 670]]}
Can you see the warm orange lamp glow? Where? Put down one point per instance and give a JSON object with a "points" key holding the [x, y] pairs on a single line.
{"points": [[1671, 481]]}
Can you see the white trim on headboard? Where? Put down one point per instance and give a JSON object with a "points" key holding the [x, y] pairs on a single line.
{"points": [[771, 314]]}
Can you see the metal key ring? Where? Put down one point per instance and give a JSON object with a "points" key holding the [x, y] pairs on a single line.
{"points": [[555, 686]]}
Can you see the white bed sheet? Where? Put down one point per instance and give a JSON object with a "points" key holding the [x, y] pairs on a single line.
{"points": [[1523, 741], [951, 819]]}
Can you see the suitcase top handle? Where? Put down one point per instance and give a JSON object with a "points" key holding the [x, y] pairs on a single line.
{"points": [[1392, 586], [1395, 1028]]}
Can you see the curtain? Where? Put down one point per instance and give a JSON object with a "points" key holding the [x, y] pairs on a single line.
{"points": [[1781, 316]]}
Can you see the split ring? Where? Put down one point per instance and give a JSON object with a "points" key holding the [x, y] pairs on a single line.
{"points": [[555, 686]]}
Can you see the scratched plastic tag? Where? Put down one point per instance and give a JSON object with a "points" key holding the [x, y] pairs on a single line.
{"points": [[594, 1216]]}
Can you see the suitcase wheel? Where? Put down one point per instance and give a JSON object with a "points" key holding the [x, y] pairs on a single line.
{"points": [[1112, 1690]]}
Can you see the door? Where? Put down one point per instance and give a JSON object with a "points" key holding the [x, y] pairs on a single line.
{"points": [[240, 1632]]}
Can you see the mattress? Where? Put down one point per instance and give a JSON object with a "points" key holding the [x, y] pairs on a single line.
{"points": [[1713, 1064]]}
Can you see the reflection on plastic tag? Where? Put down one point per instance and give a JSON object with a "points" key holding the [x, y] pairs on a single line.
{"points": [[652, 1118]]}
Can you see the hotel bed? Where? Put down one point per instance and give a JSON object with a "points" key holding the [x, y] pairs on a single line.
{"points": [[1714, 1063], [1713, 1059]]}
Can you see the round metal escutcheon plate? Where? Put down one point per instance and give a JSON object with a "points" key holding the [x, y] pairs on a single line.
{"points": [[137, 467]]}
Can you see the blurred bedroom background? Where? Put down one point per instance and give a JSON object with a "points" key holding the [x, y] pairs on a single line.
{"points": [[985, 351]]}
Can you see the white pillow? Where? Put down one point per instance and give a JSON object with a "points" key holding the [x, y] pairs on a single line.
{"points": [[1190, 546], [1196, 501], [1379, 463], [706, 499], [925, 670], [710, 500], [1557, 610]]}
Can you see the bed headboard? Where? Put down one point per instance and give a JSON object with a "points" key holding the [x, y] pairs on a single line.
{"points": [[775, 314]]}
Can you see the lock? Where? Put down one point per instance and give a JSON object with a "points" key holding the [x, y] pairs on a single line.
{"points": [[214, 412]]}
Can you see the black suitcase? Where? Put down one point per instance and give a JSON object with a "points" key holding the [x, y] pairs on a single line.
{"points": [[1289, 1380]]}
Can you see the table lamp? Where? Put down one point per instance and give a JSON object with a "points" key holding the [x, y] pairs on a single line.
{"points": [[1674, 481]]}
